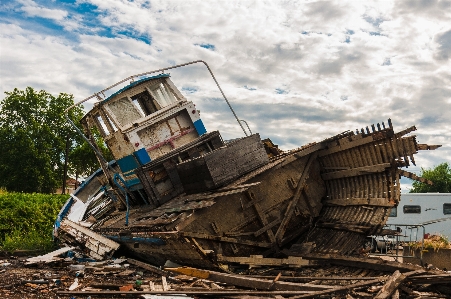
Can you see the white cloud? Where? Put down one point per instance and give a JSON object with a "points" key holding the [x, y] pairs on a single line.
{"points": [[34, 10], [344, 65]]}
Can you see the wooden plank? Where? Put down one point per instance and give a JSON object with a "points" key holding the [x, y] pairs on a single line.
{"points": [[346, 146], [340, 289], [225, 239], [225, 292], [148, 267], [346, 227], [355, 171], [367, 263], [310, 278], [267, 227], [390, 285], [377, 202], [49, 257], [99, 246], [393, 283], [261, 216], [425, 147], [259, 260], [413, 176], [247, 282], [296, 197]]}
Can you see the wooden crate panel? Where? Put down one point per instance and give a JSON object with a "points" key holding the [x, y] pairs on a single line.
{"points": [[222, 165]]}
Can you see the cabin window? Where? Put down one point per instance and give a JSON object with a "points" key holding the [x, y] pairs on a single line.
{"points": [[411, 209], [102, 127], [124, 111], [447, 208], [145, 103], [393, 212], [162, 95]]}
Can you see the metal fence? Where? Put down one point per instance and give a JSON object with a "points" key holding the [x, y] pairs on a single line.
{"points": [[395, 237]]}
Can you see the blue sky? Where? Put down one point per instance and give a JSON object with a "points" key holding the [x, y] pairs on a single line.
{"points": [[296, 71]]}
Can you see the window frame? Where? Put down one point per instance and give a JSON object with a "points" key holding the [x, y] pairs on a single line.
{"points": [[447, 209], [406, 207]]}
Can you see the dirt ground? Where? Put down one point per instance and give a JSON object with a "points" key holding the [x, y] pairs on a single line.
{"points": [[44, 280]]}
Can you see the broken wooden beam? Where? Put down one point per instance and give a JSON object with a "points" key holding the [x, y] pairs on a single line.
{"points": [[393, 283], [425, 147], [148, 267], [377, 202], [294, 201], [225, 239], [309, 278], [49, 257], [413, 176], [367, 263], [390, 285], [259, 260], [340, 289], [193, 292], [244, 281], [99, 246], [355, 171]]}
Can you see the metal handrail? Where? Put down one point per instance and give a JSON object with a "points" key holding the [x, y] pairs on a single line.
{"points": [[246, 125], [117, 176]]}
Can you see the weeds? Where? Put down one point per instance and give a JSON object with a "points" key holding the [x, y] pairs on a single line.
{"points": [[26, 220]]}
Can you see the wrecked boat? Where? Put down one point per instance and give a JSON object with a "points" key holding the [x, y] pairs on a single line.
{"points": [[177, 192]]}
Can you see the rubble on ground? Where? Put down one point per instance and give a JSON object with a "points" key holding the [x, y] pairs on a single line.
{"points": [[69, 274]]}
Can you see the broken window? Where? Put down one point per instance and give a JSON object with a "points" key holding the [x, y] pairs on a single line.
{"points": [[145, 103], [101, 126], [447, 208], [162, 95], [411, 209], [124, 111]]}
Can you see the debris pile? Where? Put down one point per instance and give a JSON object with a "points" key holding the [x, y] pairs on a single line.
{"points": [[69, 274]]}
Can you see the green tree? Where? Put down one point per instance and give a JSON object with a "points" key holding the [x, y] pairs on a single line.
{"points": [[82, 160], [440, 176], [33, 133]]}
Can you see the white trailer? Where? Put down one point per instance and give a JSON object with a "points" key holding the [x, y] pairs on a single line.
{"points": [[432, 210]]}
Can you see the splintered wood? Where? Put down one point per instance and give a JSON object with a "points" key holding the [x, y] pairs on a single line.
{"points": [[273, 284]]}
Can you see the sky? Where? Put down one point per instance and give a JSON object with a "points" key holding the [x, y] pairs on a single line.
{"points": [[295, 71]]}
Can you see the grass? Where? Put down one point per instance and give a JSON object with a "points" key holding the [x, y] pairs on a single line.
{"points": [[26, 220]]}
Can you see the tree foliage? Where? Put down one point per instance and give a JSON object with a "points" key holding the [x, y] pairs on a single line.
{"points": [[440, 176], [82, 160], [33, 134]]}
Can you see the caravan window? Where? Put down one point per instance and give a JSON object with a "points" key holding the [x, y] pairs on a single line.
{"points": [[447, 208], [411, 209]]}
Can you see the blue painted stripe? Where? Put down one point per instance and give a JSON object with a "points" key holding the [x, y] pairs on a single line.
{"points": [[127, 163], [63, 213], [128, 239], [199, 126], [142, 156]]}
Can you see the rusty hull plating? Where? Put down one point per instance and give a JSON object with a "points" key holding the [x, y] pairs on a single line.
{"points": [[176, 192]]}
